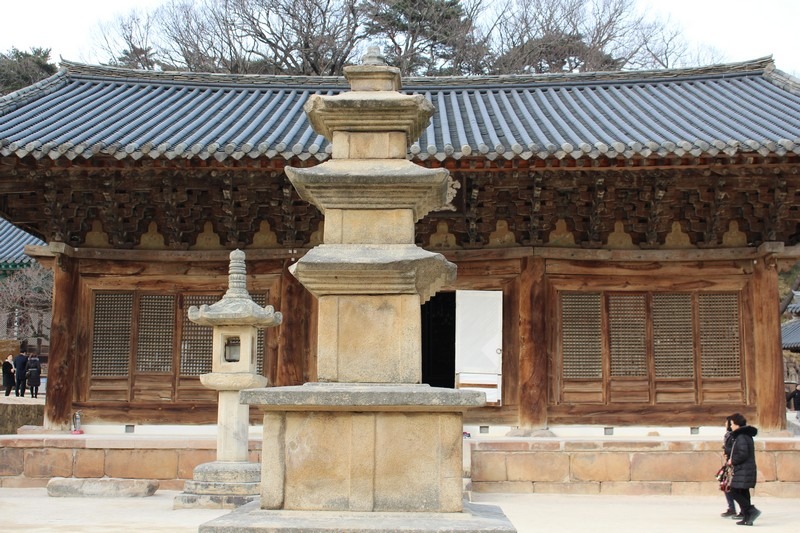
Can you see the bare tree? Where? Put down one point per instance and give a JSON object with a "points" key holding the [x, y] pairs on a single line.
{"points": [[581, 36], [25, 302], [312, 37], [421, 37], [204, 37], [128, 41]]}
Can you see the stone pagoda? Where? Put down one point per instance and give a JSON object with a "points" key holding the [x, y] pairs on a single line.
{"points": [[368, 446]]}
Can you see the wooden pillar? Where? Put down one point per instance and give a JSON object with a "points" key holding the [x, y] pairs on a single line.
{"points": [[533, 346], [61, 359], [768, 379]]}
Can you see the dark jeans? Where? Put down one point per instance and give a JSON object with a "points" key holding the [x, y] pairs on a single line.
{"points": [[20, 390], [34, 391], [729, 497], [742, 497]]}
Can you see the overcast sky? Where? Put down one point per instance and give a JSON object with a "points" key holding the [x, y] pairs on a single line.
{"points": [[738, 29]]}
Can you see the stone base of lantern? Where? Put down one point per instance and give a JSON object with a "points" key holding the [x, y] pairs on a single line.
{"points": [[474, 518], [220, 485]]}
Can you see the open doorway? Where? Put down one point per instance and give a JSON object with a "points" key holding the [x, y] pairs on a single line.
{"points": [[439, 340], [462, 341]]}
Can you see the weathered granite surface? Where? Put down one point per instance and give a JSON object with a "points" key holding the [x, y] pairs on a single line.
{"points": [[474, 518], [362, 397], [102, 488]]}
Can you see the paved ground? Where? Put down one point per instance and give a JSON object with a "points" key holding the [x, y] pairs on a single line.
{"points": [[32, 511]]}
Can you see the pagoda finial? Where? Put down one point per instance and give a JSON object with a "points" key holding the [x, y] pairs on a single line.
{"points": [[373, 57], [236, 306]]}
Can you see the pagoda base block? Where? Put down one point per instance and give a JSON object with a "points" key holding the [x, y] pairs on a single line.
{"points": [[474, 518]]}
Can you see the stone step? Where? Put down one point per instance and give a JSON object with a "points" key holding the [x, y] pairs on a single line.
{"points": [[217, 487], [105, 487], [211, 501], [228, 472]]}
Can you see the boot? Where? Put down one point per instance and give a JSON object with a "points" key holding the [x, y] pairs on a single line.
{"points": [[749, 517], [727, 513]]}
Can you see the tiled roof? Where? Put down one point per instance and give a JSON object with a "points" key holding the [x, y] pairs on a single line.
{"points": [[724, 109], [790, 335], [12, 244]]}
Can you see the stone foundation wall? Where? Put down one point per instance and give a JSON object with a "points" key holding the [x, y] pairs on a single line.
{"points": [[634, 467], [31, 460], [14, 415]]}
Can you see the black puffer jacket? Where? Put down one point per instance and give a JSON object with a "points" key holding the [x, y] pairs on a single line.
{"points": [[743, 458]]}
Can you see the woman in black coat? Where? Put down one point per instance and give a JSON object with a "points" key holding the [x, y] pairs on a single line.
{"points": [[34, 375], [727, 444], [743, 459], [8, 374]]}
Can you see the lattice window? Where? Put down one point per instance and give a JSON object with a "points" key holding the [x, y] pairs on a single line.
{"points": [[196, 340], [581, 335], [111, 335], [627, 322], [720, 343], [156, 330], [673, 340], [260, 299]]}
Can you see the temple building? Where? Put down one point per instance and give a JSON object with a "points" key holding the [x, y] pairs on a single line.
{"points": [[618, 236]]}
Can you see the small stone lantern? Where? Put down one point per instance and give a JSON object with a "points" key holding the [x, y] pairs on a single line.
{"points": [[231, 480]]}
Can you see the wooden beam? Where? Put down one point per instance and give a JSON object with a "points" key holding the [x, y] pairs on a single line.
{"points": [[661, 255], [162, 256], [668, 415]]}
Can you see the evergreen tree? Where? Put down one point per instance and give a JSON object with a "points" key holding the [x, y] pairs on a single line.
{"points": [[19, 69]]}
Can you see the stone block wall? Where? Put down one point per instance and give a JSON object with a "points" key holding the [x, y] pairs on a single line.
{"points": [[542, 465], [631, 467], [14, 416], [31, 460]]}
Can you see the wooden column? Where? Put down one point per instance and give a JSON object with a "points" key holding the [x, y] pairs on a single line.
{"points": [[768, 385], [533, 346], [61, 359], [296, 346]]}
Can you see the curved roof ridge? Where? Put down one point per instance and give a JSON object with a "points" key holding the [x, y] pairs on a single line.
{"points": [[11, 100], [782, 79], [762, 64], [80, 70]]}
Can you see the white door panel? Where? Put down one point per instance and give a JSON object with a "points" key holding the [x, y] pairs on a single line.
{"points": [[479, 342]]}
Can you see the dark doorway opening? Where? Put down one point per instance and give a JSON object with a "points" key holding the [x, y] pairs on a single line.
{"points": [[439, 340]]}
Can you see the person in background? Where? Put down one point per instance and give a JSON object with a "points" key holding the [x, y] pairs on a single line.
{"points": [[34, 375], [743, 460], [794, 396], [727, 443], [8, 374], [20, 366]]}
